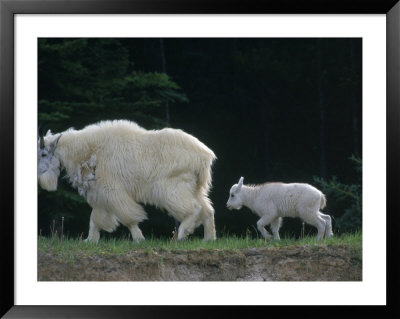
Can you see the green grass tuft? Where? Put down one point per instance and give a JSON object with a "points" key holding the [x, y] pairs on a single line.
{"points": [[69, 248]]}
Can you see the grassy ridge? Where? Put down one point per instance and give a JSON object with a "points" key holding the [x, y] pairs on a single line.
{"points": [[69, 247]]}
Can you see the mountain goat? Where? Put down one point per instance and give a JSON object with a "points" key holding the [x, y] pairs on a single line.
{"points": [[118, 165], [272, 201]]}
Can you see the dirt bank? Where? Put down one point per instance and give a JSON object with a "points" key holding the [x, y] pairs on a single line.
{"points": [[308, 263]]}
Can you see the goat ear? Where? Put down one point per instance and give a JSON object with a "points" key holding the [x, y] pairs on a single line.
{"points": [[240, 184], [53, 145], [48, 133]]}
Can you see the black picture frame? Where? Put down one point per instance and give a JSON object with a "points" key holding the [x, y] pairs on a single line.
{"points": [[8, 10]]}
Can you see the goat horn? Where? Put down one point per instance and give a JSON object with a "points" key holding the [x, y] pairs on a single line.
{"points": [[40, 128], [41, 142]]}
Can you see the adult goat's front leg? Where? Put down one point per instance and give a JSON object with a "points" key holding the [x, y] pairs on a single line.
{"points": [[136, 233], [130, 214], [94, 231]]}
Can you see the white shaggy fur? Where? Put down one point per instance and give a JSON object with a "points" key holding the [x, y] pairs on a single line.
{"points": [[117, 165], [272, 201], [84, 175]]}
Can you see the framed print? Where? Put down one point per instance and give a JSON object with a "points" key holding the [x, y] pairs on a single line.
{"points": [[288, 92]]}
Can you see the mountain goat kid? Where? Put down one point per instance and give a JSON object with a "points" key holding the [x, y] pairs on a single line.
{"points": [[118, 165], [272, 201]]}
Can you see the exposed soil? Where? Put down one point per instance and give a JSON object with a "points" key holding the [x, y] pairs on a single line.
{"points": [[308, 263]]}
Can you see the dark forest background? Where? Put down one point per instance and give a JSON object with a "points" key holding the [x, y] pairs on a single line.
{"points": [[271, 109]]}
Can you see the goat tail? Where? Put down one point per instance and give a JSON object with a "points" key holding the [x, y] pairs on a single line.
{"points": [[204, 178], [323, 201]]}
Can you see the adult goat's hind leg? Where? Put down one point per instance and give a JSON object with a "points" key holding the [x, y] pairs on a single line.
{"points": [[182, 203], [209, 229], [207, 217], [189, 223]]}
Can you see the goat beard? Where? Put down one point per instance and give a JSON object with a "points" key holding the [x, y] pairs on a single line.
{"points": [[49, 180]]}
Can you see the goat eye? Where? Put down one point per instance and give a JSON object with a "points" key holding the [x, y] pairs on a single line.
{"points": [[44, 154], [232, 195]]}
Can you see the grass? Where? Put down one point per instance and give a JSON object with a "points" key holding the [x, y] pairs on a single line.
{"points": [[68, 247]]}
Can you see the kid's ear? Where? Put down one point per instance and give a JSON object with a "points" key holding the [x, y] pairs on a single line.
{"points": [[240, 183]]}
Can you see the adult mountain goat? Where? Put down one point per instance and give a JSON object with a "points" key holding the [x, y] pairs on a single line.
{"points": [[272, 201], [117, 165]]}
